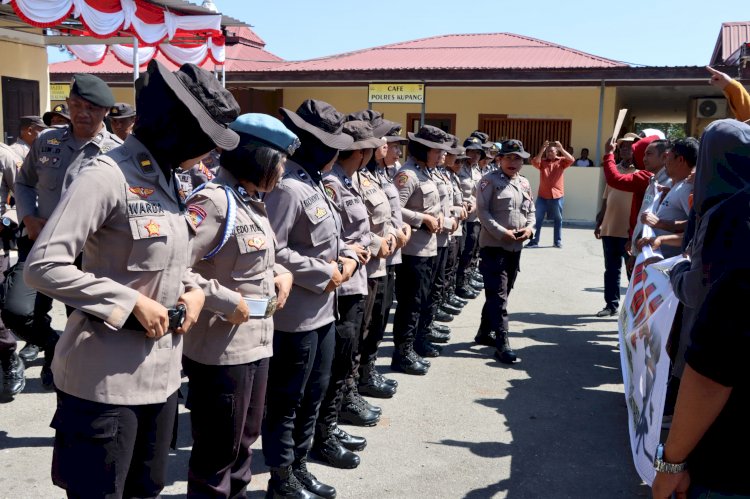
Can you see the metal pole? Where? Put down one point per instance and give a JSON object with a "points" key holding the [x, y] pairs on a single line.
{"points": [[223, 76], [424, 105], [136, 61], [599, 126]]}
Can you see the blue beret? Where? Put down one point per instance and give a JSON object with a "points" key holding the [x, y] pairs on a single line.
{"points": [[268, 130]]}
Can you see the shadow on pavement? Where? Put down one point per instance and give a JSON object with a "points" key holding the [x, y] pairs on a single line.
{"points": [[554, 455], [7, 442]]}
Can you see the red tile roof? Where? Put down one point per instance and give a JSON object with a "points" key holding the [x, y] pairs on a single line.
{"points": [[731, 37], [471, 51], [247, 55]]}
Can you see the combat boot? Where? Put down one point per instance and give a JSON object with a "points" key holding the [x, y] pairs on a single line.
{"points": [[441, 328], [447, 307], [354, 411], [329, 449], [457, 302], [436, 336], [405, 360], [426, 349], [283, 484], [29, 352], [14, 378], [351, 442], [442, 316], [486, 338], [467, 292], [371, 385], [503, 352]]}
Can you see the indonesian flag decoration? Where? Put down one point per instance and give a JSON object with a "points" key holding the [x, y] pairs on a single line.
{"points": [[196, 54], [151, 24]]}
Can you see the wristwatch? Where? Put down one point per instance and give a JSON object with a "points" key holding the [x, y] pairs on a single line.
{"points": [[661, 466]]}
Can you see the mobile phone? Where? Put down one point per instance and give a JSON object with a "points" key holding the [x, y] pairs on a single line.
{"points": [[519, 233], [177, 316]]}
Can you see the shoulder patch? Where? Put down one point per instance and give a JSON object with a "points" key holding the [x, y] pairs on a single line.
{"points": [[330, 192], [484, 183], [196, 215], [402, 179], [53, 142], [205, 171], [144, 162]]}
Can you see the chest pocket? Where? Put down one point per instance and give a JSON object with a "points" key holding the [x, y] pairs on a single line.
{"points": [[322, 224], [150, 249], [253, 246], [378, 207], [50, 172], [355, 209], [503, 198], [526, 204], [430, 196]]}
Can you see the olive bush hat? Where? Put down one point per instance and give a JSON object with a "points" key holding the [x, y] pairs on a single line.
{"points": [[394, 134], [432, 137], [121, 110], [380, 125], [321, 120], [60, 109], [212, 105], [474, 143], [514, 146], [362, 133]]}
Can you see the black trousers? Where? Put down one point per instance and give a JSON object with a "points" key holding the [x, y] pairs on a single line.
{"points": [[348, 326], [7, 343], [111, 451], [413, 280], [499, 269], [376, 315], [226, 411], [468, 252], [451, 266], [437, 287], [614, 257], [298, 377]]}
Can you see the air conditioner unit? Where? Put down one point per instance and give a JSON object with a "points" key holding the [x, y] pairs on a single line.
{"points": [[711, 108]]}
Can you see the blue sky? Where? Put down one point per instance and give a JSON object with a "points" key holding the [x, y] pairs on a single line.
{"points": [[659, 33]]}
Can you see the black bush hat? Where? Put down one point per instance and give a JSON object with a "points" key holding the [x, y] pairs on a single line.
{"points": [[394, 134], [432, 137], [380, 125], [93, 89], [455, 148], [121, 110], [26, 121], [321, 120], [361, 132], [211, 104], [60, 109], [474, 143], [514, 146]]}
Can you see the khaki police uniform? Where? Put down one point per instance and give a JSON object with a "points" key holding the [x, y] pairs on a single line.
{"points": [[457, 238], [10, 162], [438, 284], [195, 176], [227, 364], [469, 177], [502, 203]]}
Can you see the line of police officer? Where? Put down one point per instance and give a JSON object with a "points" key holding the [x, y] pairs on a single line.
{"points": [[344, 221]]}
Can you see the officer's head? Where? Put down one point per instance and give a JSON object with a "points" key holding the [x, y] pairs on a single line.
{"points": [[88, 103], [513, 156], [122, 119], [360, 152], [30, 127], [428, 145]]}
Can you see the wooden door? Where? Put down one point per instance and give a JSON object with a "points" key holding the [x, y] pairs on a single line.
{"points": [[20, 98]]}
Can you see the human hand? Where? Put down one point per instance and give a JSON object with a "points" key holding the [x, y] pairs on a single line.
{"points": [[401, 237], [649, 219], [509, 235], [643, 242], [441, 222], [336, 278], [193, 301], [406, 229], [34, 226], [384, 250], [666, 484], [609, 146], [283, 283], [240, 314], [363, 254], [152, 315], [350, 266], [525, 234], [718, 79], [464, 214], [431, 223], [558, 145], [454, 226], [598, 232]]}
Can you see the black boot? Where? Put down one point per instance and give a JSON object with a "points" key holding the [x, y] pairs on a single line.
{"points": [[457, 302], [467, 292], [308, 480], [371, 385], [351, 442], [421, 359], [329, 449], [13, 376], [447, 307], [441, 328], [354, 411], [486, 338], [385, 380], [436, 336], [503, 352], [478, 286], [48, 379], [442, 316], [283, 484], [427, 349], [29, 352], [477, 276], [405, 361]]}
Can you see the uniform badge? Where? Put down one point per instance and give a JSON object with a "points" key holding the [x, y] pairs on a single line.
{"points": [[241, 190], [53, 142], [55, 160], [106, 149], [402, 179], [256, 242], [196, 214], [483, 184], [141, 192], [366, 182], [19, 164], [152, 228], [205, 171], [302, 174], [145, 163], [348, 182], [330, 192], [44, 160], [320, 213]]}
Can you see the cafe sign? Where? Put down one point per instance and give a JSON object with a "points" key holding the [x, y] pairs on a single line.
{"points": [[396, 93]]}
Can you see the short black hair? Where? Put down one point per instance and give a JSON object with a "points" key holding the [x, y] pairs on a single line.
{"points": [[585, 149], [686, 148], [662, 145], [345, 154], [418, 150], [252, 162]]}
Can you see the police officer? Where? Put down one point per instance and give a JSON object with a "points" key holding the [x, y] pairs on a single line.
{"points": [[29, 129], [342, 401], [117, 367], [506, 212], [420, 209], [470, 176], [307, 227], [458, 210], [58, 116], [53, 162], [121, 119], [226, 355]]}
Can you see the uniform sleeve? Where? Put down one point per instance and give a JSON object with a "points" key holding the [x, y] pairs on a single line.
{"points": [[739, 100], [279, 269], [484, 199], [50, 267], [628, 182], [531, 218], [406, 184], [25, 185], [208, 235], [8, 166], [284, 211]]}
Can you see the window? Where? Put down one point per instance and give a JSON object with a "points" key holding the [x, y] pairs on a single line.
{"points": [[445, 122], [531, 131]]}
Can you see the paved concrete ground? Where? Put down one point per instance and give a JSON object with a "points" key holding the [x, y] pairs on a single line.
{"points": [[552, 426]]}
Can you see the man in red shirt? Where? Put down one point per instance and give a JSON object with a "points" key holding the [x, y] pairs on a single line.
{"points": [[551, 162]]}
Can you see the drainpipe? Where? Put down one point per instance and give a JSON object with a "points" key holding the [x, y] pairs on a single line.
{"points": [[424, 104], [136, 61], [599, 125]]}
